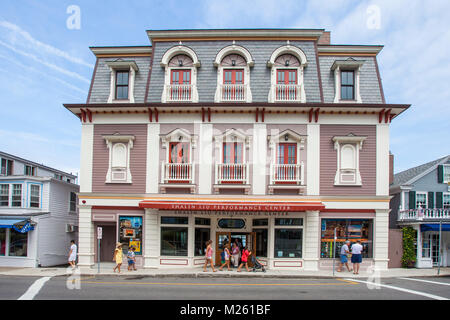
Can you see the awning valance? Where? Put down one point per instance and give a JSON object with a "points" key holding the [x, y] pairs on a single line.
{"points": [[20, 224], [211, 205], [9, 223], [434, 227]]}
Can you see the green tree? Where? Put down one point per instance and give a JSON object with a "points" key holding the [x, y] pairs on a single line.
{"points": [[409, 252]]}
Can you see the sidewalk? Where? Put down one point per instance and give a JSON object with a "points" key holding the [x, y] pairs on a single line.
{"points": [[106, 269]]}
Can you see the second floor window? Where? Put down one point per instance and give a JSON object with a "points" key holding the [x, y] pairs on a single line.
{"points": [[180, 81], [16, 195], [421, 200], [179, 152], [122, 85], [232, 152], [35, 196], [287, 153], [4, 195], [347, 85]]}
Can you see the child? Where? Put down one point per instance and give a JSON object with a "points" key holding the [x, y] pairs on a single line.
{"points": [[131, 259], [227, 255], [245, 254]]}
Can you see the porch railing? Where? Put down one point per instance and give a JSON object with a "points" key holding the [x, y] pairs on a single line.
{"points": [[287, 173], [177, 173], [232, 173], [423, 214]]}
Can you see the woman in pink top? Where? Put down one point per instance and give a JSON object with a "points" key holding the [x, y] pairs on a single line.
{"points": [[208, 256], [244, 259]]}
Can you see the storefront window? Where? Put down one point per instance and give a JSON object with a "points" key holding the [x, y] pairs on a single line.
{"points": [[2, 242], [426, 246], [174, 241], [17, 243], [288, 243], [201, 236], [231, 223], [203, 221], [289, 222], [346, 229], [260, 222], [174, 220], [261, 242], [130, 233]]}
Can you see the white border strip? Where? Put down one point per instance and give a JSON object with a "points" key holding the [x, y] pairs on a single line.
{"points": [[34, 289], [431, 296], [427, 281]]}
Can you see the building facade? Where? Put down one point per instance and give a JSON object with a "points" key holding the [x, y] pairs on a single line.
{"points": [[421, 199], [272, 137], [38, 213]]}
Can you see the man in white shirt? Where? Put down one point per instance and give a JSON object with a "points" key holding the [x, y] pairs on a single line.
{"points": [[72, 254], [357, 248], [343, 254]]}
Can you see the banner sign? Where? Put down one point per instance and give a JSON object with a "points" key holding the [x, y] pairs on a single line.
{"points": [[26, 227]]}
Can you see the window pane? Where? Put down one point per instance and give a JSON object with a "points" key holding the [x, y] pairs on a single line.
{"points": [[203, 221], [260, 222], [231, 223], [4, 195], [421, 200], [261, 242], [122, 78], [73, 202], [174, 220], [446, 201], [347, 78], [130, 233], [122, 92], [17, 195], [35, 196], [288, 243], [289, 222], [17, 243], [2, 242], [174, 241], [201, 236]]}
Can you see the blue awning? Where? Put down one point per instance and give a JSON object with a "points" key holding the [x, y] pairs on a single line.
{"points": [[9, 223], [434, 227]]}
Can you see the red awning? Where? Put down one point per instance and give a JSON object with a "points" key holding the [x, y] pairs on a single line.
{"points": [[280, 206]]}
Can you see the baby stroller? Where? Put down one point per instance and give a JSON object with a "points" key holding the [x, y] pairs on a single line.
{"points": [[257, 265]]}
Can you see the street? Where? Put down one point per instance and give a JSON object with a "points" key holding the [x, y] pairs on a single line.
{"points": [[137, 287]]}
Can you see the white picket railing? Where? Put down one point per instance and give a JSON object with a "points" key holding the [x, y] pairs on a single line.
{"points": [[232, 173], [177, 172], [287, 173], [287, 92], [421, 214], [179, 92], [233, 92]]}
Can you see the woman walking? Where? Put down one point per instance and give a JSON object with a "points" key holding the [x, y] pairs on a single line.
{"points": [[357, 248], [227, 255], [118, 255], [244, 259], [235, 254], [208, 256]]}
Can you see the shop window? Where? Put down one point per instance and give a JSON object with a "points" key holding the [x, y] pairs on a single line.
{"points": [[260, 222], [35, 196], [201, 236], [17, 195], [288, 243], [261, 241], [231, 223], [130, 233], [203, 221], [174, 220], [18, 243], [174, 241], [2, 242], [4, 195], [346, 229], [289, 222]]}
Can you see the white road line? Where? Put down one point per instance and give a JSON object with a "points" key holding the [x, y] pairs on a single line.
{"points": [[428, 281], [34, 289], [432, 296]]}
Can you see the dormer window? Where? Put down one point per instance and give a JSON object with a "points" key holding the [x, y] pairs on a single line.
{"points": [[233, 74], [122, 81], [346, 78], [287, 64], [180, 84]]}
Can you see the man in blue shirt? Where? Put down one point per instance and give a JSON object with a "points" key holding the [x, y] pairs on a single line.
{"points": [[344, 252]]}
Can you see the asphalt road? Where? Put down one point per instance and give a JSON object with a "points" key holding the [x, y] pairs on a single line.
{"points": [[150, 288]]}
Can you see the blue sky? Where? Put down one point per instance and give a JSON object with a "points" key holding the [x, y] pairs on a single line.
{"points": [[44, 64]]}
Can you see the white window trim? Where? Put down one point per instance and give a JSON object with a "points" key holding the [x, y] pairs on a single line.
{"points": [[119, 65], [233, 49], [128, 142], [40, 197], [426, 199], [339, 143], [347, 65], [300, 55], [180, 49]]}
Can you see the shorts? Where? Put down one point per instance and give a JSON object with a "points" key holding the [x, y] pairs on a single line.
{"points": [[72, 257], [344, 258], [130, 262], [356, 258]]}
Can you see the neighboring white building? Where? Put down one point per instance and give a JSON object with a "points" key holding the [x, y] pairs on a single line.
{"points": [[38, 213]]}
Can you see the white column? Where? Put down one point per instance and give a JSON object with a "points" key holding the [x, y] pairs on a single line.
{"points": [[205, 158], [381, 239], [311, 247], [271, 241], [419, 245], [86, 157], [85, 238], [313, 160], [191, 240], [259, 158], [152, 185], [152, 239], [382, 160]]}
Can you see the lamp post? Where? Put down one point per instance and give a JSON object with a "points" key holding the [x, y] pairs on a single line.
{"points": [[334, 249], [440, 246]]}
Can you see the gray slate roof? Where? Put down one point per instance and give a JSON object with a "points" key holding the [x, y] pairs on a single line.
{"points": [[403, 177]]}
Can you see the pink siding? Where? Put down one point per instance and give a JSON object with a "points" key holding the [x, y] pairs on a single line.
{"points": [[328, 160], [138, 158]]}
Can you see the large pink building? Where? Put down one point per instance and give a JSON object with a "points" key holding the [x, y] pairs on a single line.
{"points": [[275, 138]]}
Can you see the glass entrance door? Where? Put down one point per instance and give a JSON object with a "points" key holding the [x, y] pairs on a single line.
{"points": [[435, 248], [245, 239]]}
